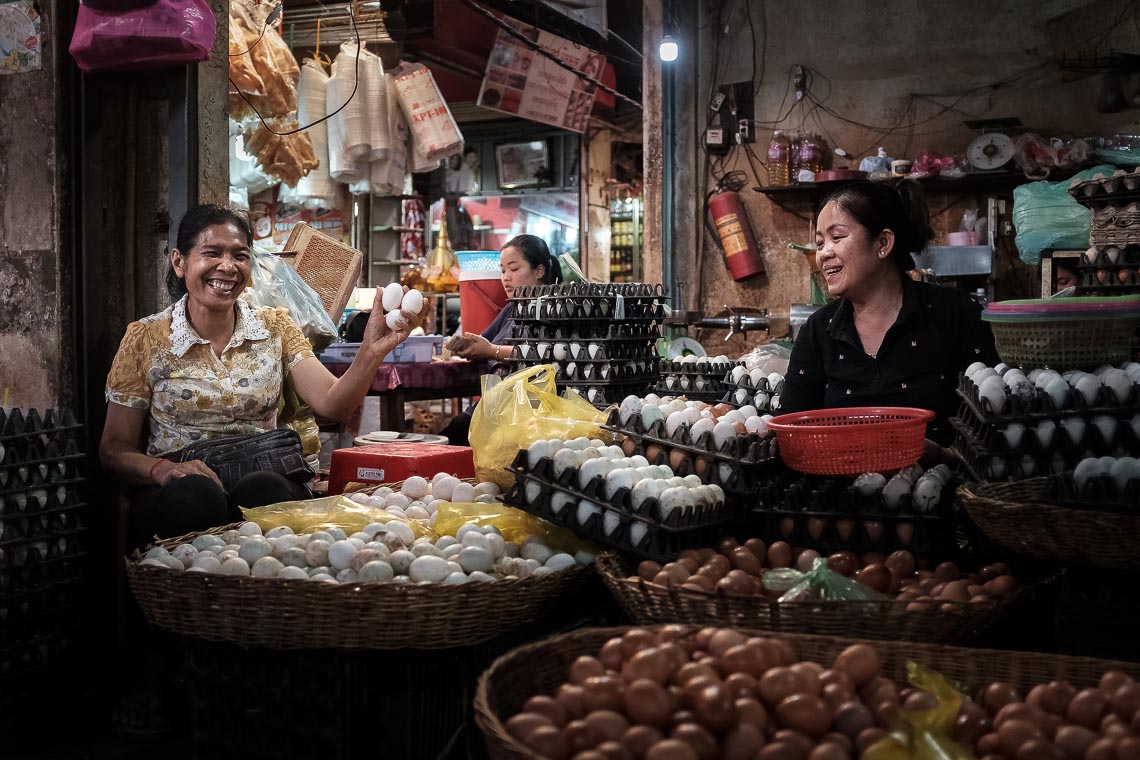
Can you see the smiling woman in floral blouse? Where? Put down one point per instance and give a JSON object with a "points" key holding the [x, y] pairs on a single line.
{"points": [[211, 366]]}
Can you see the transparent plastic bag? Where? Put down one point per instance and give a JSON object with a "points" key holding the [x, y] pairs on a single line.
{"points": [[770, 357], [328, 512], [277, 284], [520, 409], [515, 525], [821, 582], [1046, 216], [924, 735], [113, 35]]}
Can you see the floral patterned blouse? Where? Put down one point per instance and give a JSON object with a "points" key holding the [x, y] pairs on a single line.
{"points": [[164, 366]]}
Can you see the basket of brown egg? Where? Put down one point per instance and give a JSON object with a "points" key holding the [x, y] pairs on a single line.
{"points": [[725, 586], [689, 693]]}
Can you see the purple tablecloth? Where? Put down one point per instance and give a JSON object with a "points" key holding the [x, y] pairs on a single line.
{"points": [[421, 375]]}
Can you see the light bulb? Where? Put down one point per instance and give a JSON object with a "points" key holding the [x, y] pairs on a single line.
{"points": [[668, 49]]}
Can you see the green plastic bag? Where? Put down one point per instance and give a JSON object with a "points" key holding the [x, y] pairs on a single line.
{"points": [[1046, 216], [821, 582]]}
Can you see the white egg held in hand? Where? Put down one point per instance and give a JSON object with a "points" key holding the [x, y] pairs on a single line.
{"points": [[413, 302], [391, 297], [395, 319]]}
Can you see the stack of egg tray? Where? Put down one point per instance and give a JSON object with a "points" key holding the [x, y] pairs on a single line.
{"points": [[602, 338], [1111, 265], [981, 442], [41, 554], [613, 522], [744, 392], [828, 514], [696, 381]]}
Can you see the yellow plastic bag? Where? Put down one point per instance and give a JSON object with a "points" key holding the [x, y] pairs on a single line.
{"points": [[523, 408], [329, 512], [924, 735], [514, 524]]}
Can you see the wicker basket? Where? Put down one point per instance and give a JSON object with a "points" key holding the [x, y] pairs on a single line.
{"points": [[541, 667], [1075, 344], [649, 604], [282, 614], [1013, 515]]}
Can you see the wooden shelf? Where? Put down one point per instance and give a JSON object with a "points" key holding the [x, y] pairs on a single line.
{"points": [[395, 228], [980, 182]]}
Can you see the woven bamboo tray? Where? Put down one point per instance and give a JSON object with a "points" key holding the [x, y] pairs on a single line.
{"points": [[541, 667], [282, 614], [1013, 515], [648, 604]]}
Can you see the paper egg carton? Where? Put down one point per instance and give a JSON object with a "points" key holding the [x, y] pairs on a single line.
{"points": [[1041, 405], [1103, 186], [612, 522]]}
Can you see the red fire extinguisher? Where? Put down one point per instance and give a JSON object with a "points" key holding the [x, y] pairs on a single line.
{"points": [[730, 220]]}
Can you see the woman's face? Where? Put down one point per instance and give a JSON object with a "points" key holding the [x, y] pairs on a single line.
{"points": [[1066, 278], [217, 268], [845, 252], [516, 271]]}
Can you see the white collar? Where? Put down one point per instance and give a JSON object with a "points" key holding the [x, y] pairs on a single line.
{"points": [[182, 335]]}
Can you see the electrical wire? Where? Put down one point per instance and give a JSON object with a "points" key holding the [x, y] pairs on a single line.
{"points": [[355, 85], [269, 19]]}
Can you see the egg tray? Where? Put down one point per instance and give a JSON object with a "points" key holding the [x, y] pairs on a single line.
{"points": [[43, 601], [33, 551], [592, 331], [34, 452], [10, 508], [638, 349], [591, 373], [15, 479], [28, 656], [789, 491], [36, 483], [563, 310], [675, 367], [1042, 407], [39, 525], [1129, 257], [979, 462], [19, 579], [1099, 186], [660, 543], [748, 449], [746, 383], [826, 532], [605, 394], [991, 440], [16, 424], [611, 290], [735, 479], [1100, 494], [730, 398], [670, 385]]}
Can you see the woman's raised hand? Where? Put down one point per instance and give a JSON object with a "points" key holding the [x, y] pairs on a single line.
{"points": [[378, 337]]}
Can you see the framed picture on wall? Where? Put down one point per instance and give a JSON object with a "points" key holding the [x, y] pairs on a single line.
{"points": [[524, 164]]}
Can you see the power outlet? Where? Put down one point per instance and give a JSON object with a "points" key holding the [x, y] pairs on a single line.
{"points": [[738, 112]]}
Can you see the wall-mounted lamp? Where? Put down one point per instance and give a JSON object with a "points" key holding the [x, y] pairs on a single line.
{"points": [[668, 50]]}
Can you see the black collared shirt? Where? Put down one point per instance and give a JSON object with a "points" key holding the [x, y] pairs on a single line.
{"points": [[937, 334]]}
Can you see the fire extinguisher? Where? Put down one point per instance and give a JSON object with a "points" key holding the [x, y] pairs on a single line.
{"points": [[730, 222]]}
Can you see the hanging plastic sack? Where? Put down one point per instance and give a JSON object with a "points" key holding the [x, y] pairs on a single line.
{"points": [[924, 734], [435, 134], [1046, 216], [278, 285], [338, 93], [821, 582], [520, 409], [114, 36], [316, 189]]}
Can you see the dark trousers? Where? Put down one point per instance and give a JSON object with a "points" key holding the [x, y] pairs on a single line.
{"points": [[194, 503]]}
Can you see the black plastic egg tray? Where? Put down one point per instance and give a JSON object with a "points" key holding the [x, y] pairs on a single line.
{"points": [[630, 291], [990, 439], [1129, 257], [578, 309], [586, 351], [1041, 406], [985, 466], [23, 655], [1099, 495], [746, 383], [692, 387], [732, 396], [16, 423], [641, 371], [735, 466], [661, 541], [47, 599], [828, 514], [34, 575], [594, 331], [603, 394], [676, 367]]}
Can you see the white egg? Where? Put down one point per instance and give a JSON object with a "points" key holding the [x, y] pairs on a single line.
{"points": [[413, 302], [415, 487], [637, 533], [401, 561], [1089, 388], [396, 512], [234, 566], [982, 375], [738, 372], [1045, 376], [292, 574], [927, 493], [185, 553], [1045, 430], [1101, 370], [1074, 427], [254, 549], [397, 500], [1057, 390], [417, 513], [322, 578], [391, 296], [757, 425], [722, 431], [206, 564], [630, 406], [1123, 472], [775, 382], [266, 567], [997, 468], [1013, 377], [756, 377], [740, 395], [699, 428], [446, 486], [992, 392], [401, 531], [430, 569], [1106, 424], [975, 367], [475, 558], [870, 483], [463, 493], [650, 414], [611, 523], [618, 479], [1028, 466], [347, 575], [644, 490], [249, 529], [341, 554], [1086, 470], [1013, 433], [584, 558], [1120, 384], [395, 320]]}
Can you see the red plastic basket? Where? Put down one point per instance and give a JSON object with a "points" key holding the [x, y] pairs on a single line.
{"points": [[853, 440]]}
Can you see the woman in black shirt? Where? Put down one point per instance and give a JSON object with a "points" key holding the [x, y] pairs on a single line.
{"points": [[887, 340]]}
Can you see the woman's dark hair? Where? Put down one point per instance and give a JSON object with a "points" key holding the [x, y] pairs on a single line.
{"points": [[900, 208], [537, 254], [194, 222]]}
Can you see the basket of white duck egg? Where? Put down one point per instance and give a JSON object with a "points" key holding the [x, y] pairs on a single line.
{"points": [[753, 387], [697, 377], [1022, 423], [394, 584]]}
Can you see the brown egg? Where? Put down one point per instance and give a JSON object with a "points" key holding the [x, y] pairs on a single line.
{"points": [[691, 670], [860, 662], [971, 724], [905, 532], [956, 591], [742, 742], [1113, 680], [586, 667], [655, 453], [636, 640], [886, 713], [1003, 585], [547, 706], [946, 572], [683, 716], [1127, 747], [520, 726], [665, 580], [758, 548], [805, 713], [839, 740], [638, 739], [647, 569], [779, 683], [780, 555], [808, 673], [1014, 733], [705, 554], [852, 718], [836, 695], [740, 684], [815, 528], [876, 577], [1126, 701], [1102, 749], [613, 751], [700, 587], [780, 751], [1039, 749], [838, 677], [1056, 696], [591, 754], [570, 697], [991, 571], [902, 562], [919, 701], [671, 749], [648, 703], [1075, 741], [798, 741], [742, 559], [629, 446], [988, 745], [652, 663], [680, 461], [610, 654], [843, 563], [610, 724], [675, 653], [874, 531], [846, 529], [602, 693], [1020, 711], [787, 528], [549, 742], [745, 659], [701, 467], [806, 559], [691, 563], [829, 751], [581, 736], [998, 695], [715, 708], [697, 737], [868, 737], [723, 640], [750, 711]]}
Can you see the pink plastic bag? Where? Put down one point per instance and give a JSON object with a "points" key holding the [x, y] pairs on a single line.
{"points": [[116, 34]]}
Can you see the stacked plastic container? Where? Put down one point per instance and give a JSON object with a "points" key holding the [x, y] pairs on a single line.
{"points": [[40, 540]]}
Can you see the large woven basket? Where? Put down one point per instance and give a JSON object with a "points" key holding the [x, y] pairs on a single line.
{"points": [[649, 604], [283, 614], [1014, 515], [1084, 343], [541, 667]]}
